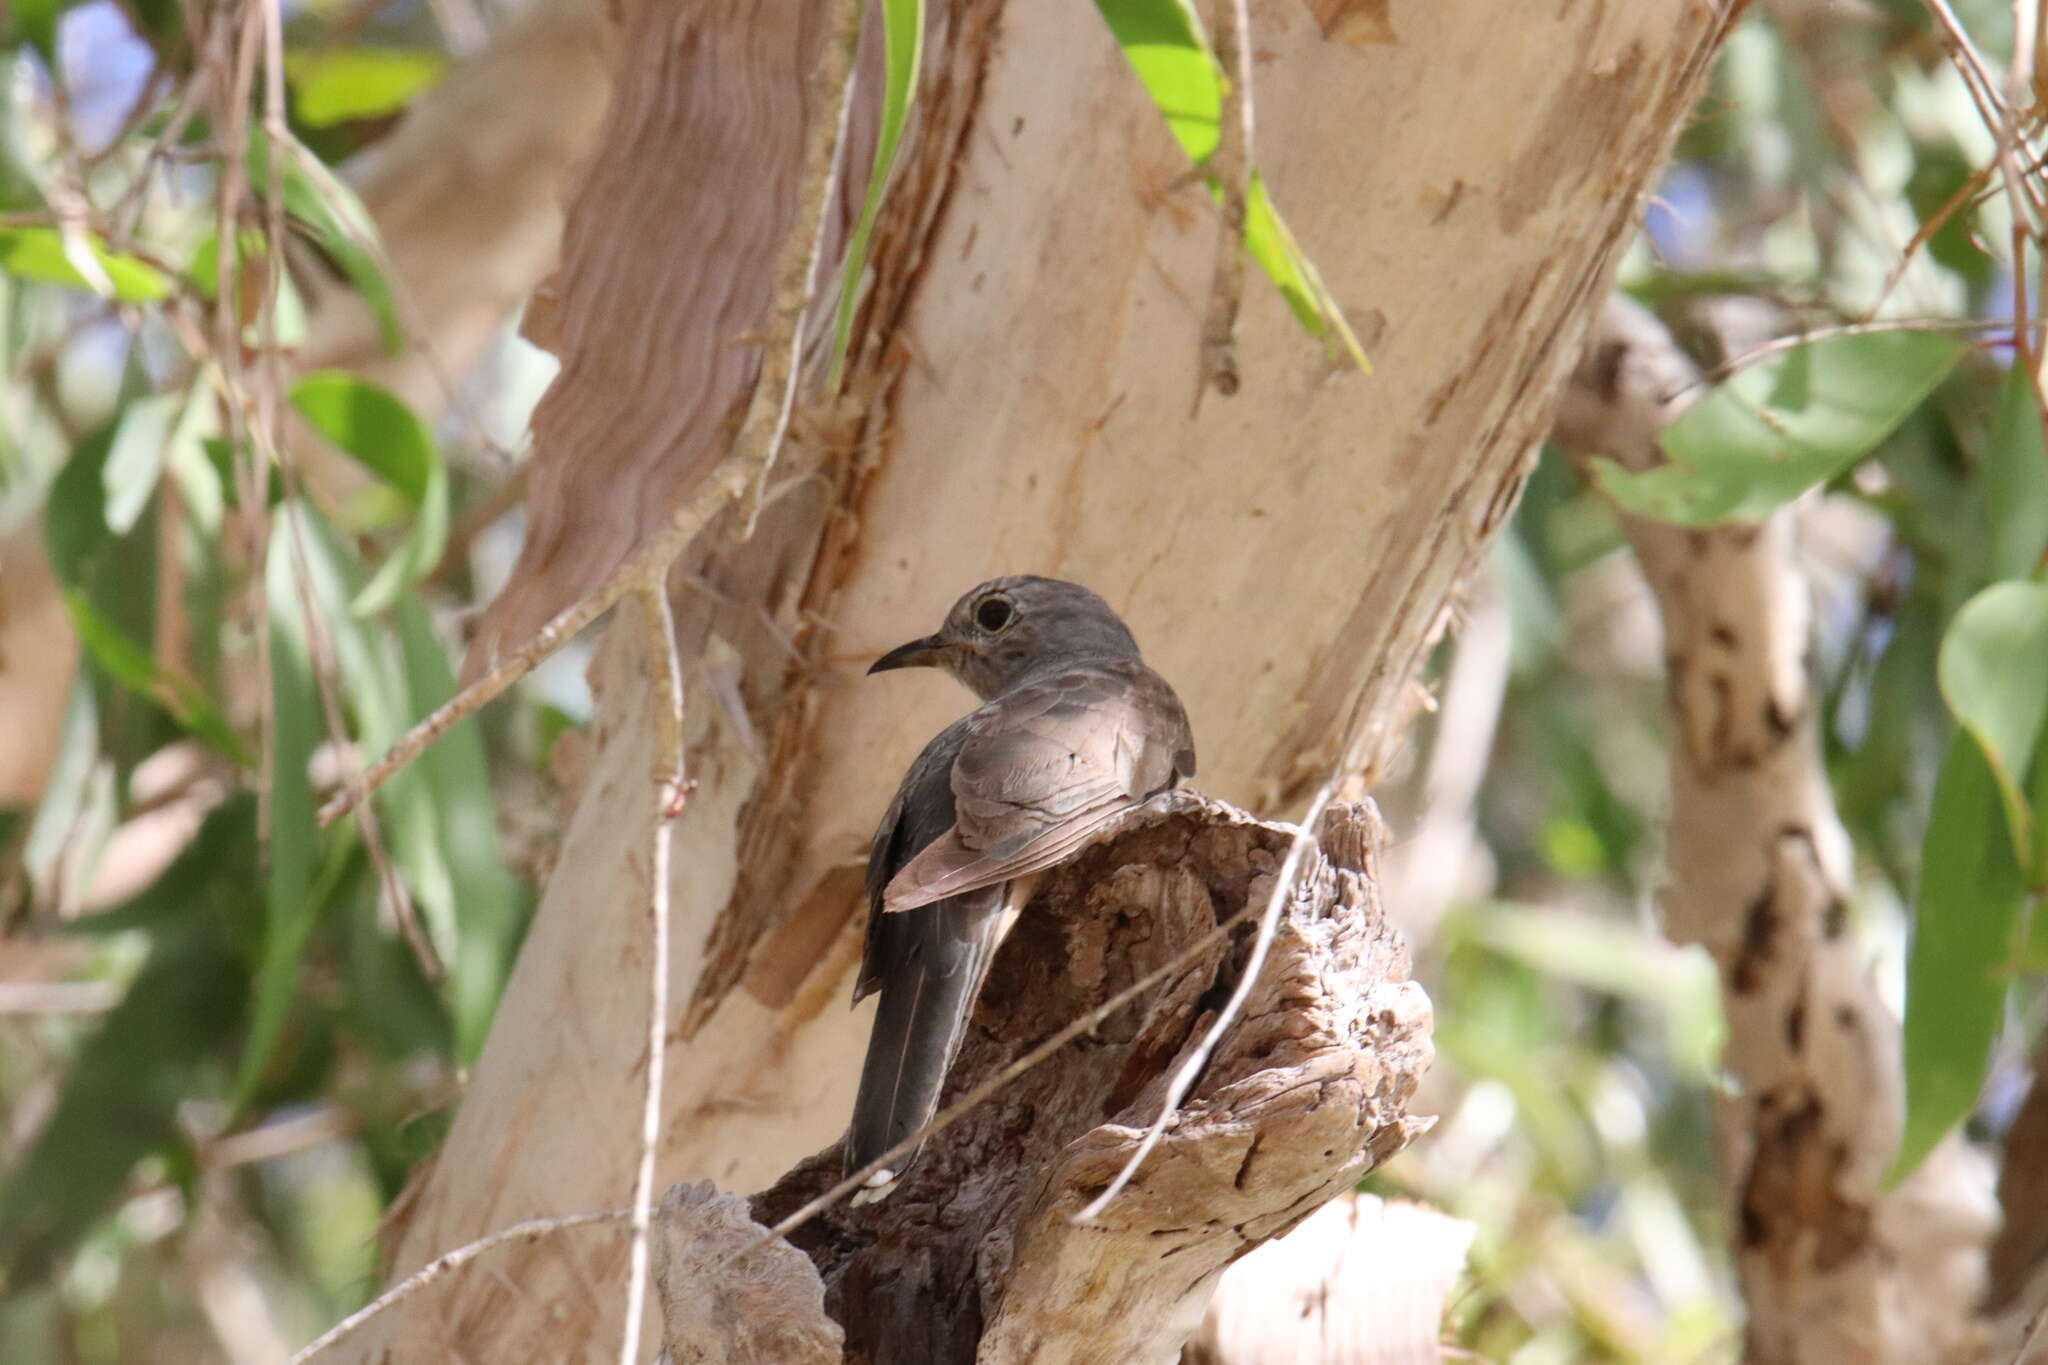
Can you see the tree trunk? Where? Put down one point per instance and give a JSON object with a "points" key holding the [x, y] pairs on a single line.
{"points": [[1833, 1270], [1019, 399]]}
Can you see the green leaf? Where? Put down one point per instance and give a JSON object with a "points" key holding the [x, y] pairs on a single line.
{"points": [[1958, 968], [37, 253], [335, 85], [290, 906], [78, 538], [2016, 481], [1778, 428], [371, 423], [337, 221], [36, 20], [379, 430], [150, 434], [1994, 676], [1174, 63], [903, 38], [148, 1056], [458, 813]]}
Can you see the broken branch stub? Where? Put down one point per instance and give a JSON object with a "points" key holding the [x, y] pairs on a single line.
{"points": [[976, 1255]]}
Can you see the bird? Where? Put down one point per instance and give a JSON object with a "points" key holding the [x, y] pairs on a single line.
{"points": [[1072, 731]]}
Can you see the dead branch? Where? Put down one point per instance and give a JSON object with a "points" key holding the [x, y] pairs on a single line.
{"points": [[978, 1254], [728, 1296], [1759, 875]]}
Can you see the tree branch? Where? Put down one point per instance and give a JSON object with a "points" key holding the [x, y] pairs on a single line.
{"points": [[1759, 875]]}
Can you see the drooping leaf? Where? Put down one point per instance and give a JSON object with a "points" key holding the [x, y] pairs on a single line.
{"points": [[489, 904], [903, 39], [369, 422], [76, 532], [337, 222], [1783, 426], [38, 253], [1172, 59], [1969, 900], [2016, 481], [150, 1054], [1994, 676], [379, 430], [335, 85], [290, 905], [149, 434]]}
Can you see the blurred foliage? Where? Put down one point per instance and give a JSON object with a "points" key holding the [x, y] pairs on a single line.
{"points": [[277, 1016], [262, 565]]}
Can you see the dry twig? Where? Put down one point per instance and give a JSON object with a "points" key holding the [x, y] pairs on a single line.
{"points": [[1231, 164], [669, 790]]}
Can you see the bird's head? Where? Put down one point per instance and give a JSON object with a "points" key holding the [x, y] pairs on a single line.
{"points": [[1009, 629]]}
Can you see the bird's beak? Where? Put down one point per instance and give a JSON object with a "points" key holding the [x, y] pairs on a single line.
{"points": [[930, 652]]}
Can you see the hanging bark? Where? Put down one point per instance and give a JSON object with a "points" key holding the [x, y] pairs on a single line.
{"points": [[1017, 400], [1832, 1270], [976, 1255]]}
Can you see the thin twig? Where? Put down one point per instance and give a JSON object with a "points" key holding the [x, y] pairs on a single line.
{"points": [[1184, 1079], [796, 273], [738, 472], [670, 788], [530, 1230], [1231, 165], [1794, 340]]}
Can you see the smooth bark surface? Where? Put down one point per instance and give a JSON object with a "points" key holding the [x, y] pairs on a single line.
{"points": [[1832, 1269], [1018, 400]]}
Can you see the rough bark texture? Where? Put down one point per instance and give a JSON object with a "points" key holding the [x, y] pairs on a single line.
{"points": [[727, 1298], [1759, 875], [976, 1255], [1361, 1282], [1019, 400]]}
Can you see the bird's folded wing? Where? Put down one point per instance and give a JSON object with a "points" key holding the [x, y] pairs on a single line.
{"points": [[1041, 770]]}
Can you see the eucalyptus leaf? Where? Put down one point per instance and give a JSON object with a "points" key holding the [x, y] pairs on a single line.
{"points": [[290, 907], [1970, 896], [383, 434], [1994, 676], [38, 253], [903, 40], [2016, 481], [335, 85], [1173, 61], [1783, 426]]}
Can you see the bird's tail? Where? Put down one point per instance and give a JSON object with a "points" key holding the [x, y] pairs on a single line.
{"points": [[938, 956]]}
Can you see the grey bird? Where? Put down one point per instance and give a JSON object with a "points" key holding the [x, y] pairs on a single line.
{"points": [[1073, 730]]}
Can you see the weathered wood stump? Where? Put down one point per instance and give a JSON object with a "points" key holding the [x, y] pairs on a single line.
{"points": [[975, 1255]]}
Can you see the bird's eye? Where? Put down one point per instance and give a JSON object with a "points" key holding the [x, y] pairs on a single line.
{"points": [[993, 613]]}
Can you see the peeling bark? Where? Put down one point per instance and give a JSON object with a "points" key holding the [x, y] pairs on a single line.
{"points": [[1831, 1269], [1017, 401], [975, 1256]]}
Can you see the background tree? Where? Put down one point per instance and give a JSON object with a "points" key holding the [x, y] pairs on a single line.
{"points": [[267, 511]]}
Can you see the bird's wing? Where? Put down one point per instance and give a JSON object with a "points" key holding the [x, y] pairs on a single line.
{"points": [[1041, 769]]}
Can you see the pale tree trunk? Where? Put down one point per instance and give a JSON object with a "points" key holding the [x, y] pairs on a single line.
{"points": [[1019, 400], [1834, 1271]]}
